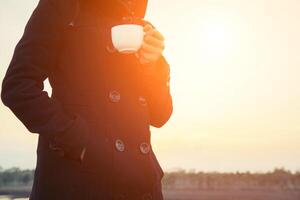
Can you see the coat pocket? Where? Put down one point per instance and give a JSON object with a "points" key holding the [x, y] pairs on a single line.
{"points": [[71, 143], [97, 155]]}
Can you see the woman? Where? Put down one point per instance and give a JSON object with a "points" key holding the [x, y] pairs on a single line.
{"points": [[94, 135]]}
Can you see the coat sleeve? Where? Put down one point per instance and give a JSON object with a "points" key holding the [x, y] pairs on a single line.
{"points": [[156, 83], [22, 87]]}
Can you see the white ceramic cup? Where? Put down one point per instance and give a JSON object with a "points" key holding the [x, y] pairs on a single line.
{"points": [[127, 38]]}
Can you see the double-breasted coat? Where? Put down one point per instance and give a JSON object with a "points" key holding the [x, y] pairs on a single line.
{"points": [[102, 101]]}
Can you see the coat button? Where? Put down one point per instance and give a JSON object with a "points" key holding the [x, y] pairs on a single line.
{"points": [[120, 145], [145, 148], [147, 196], [114, 96], [142, 101]]}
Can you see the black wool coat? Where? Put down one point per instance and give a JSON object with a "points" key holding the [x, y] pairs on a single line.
{"points": [[102, 101]]}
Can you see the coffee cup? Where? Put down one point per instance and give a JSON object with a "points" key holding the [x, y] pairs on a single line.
{"points": [[127, 38]]}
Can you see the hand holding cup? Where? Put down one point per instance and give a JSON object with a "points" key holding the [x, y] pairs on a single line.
{"points": [[153, 45]]}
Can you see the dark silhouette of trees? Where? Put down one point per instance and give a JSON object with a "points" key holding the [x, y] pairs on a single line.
{"points": [[15, 177], [278, 179]]}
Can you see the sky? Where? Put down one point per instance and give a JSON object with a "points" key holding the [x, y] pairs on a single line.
{"points": [[234, 82]]}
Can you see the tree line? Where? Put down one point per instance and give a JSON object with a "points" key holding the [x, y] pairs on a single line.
{"points": [[277, 179], [15, 177]]}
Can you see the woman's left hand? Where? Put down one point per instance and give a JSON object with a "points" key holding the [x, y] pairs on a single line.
{"points": [[152, 47]]}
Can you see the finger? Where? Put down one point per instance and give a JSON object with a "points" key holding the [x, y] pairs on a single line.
{"points": [[150, 56], [147, 27], [145, 22], [149, 32], [154, 42], [158, 35], [143, 60], [155, 33], [151, 49]]}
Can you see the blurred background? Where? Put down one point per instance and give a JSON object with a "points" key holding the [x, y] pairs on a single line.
{"points": [[234, 82]]}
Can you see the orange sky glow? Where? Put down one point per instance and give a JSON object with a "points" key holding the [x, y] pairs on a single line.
{"points": [[234, 81]]}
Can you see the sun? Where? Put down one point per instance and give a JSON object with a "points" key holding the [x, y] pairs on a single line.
{"points": [[218, 37]]}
